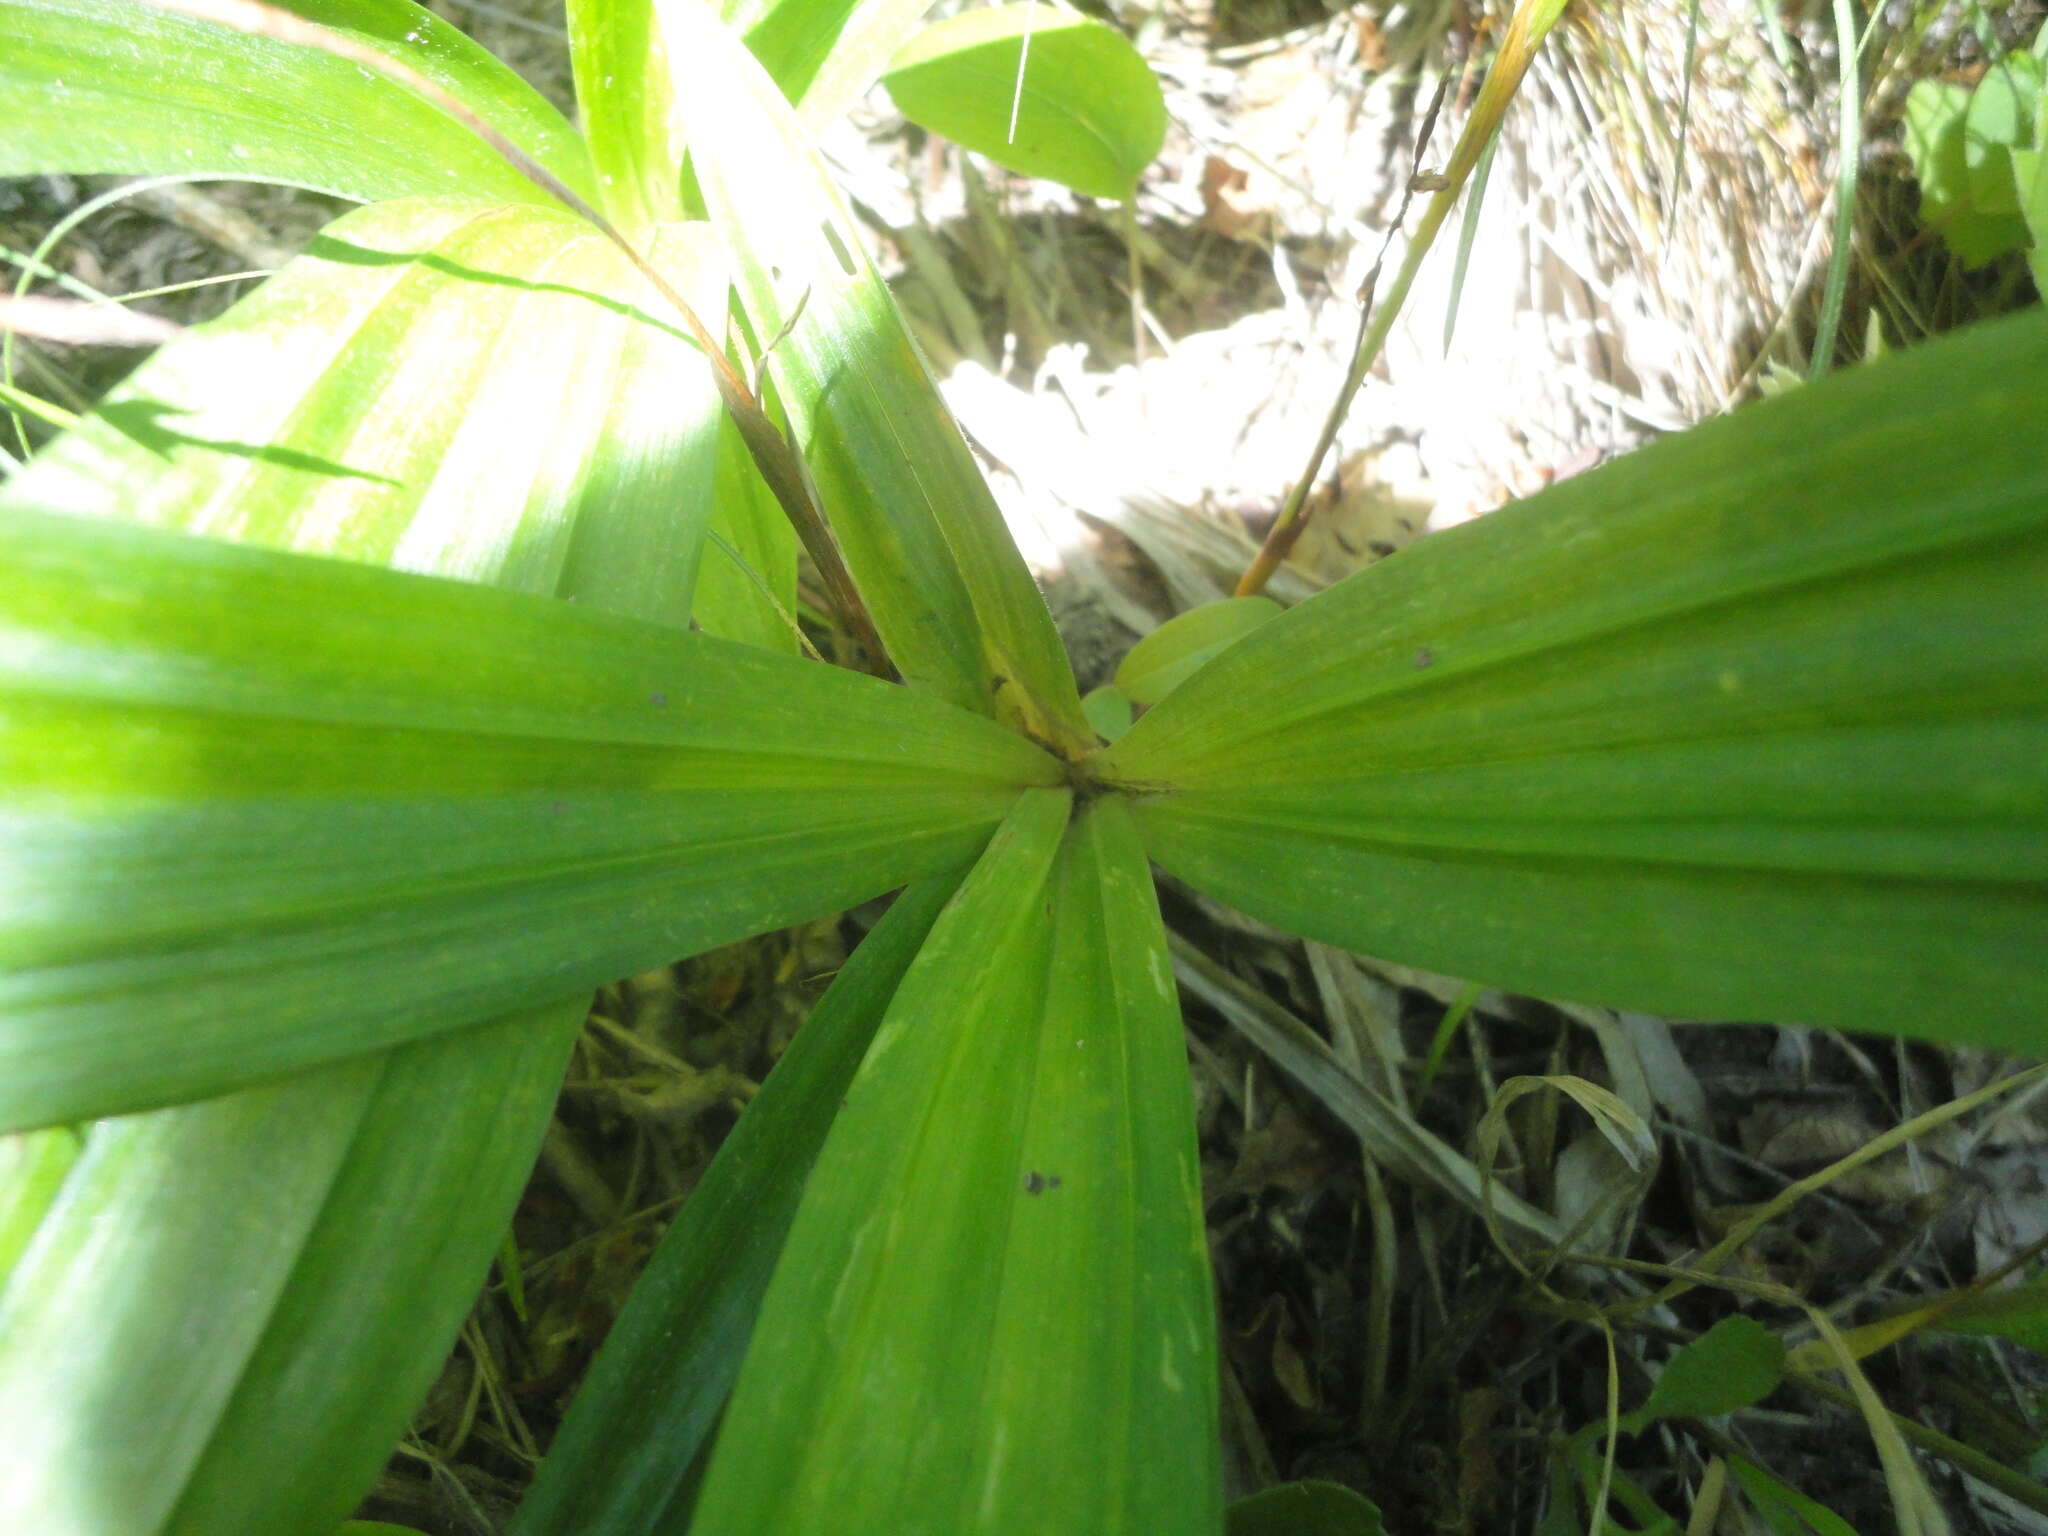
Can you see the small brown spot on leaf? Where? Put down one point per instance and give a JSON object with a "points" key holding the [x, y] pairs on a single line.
{"points": [[1423, 657]]}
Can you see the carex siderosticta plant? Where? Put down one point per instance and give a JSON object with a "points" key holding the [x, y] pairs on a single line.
{"points": [[405, 654]]}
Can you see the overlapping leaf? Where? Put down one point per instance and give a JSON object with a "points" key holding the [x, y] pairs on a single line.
{"points": [[992, 1312], [234, 1305], [1751, 724], [270, 811], [643, 1415], [922, 535], [121, 86]]}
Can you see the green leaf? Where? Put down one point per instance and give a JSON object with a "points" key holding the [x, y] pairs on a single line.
{"points": [[1043, 91], [233, 1307], [2016, 1312], [640, 1421], [822, 54], [921, 532], [268, 811], [440, 385], [1737, 1363], [1108, 710], [2000, 120], [1773, 744], [1785, 1510], [119, 86], [1937, 140], [993, 1309], [1176, 650], [746, 583], [32, 1169], [1304, 1509]]}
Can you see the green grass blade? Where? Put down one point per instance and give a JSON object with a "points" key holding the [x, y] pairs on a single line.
{"points": [[114, 86], [993, 1311], [1848, 165], [641, 1419], [265, 811], [1773, 744], [746, 579], [920, 530]]}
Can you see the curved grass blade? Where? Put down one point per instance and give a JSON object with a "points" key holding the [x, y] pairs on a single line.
{"points": [[641, 1421], [1773, 743], [85, 87], [993, 1310], [267, 811], [922, 535]]}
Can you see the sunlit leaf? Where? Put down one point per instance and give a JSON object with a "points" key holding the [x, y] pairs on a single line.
{"points": [[993, 1310], [1176, 650], [921, 532], [266, 811], [119, 86], [639, 1424], [1773, 744], [1040, 90]]}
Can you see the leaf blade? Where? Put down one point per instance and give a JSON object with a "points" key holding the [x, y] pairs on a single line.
{"points": [[84, 89], [1774, 740], [1008, 1206]]}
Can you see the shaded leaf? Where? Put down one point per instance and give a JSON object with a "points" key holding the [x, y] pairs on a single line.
{"points": [[119, 86], [639, 1423], [1001, 1246], [1042, 91], [1304, 1509], [1176, 650], [1737, 1363], [1773, 745]]}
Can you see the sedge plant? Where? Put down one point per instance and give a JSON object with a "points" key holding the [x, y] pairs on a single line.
{"points": [[394, 660]]}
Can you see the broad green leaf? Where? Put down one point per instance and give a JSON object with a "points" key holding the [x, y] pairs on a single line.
{"points": [[1773, 743], [1304, 1509], [1737, 1363], [266, 811], [1176, 650], [234, 1306], [993, 1310], [119, 86], [2000, 119], [921, 532], [439, 385], [1937, 140], [1040, 90], [1108, 710], [640, 1421]]}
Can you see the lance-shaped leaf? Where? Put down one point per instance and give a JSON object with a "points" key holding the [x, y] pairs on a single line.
{"points": [[226, 1319], [266, 811], [1038, 89], [123, 86], [566, 447], [1751, 724], [440, 385], [922, 535], [642, 1417], [993, 1310]]}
